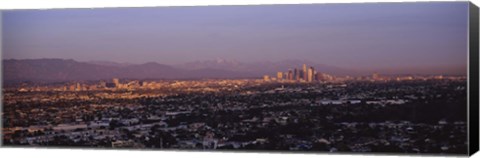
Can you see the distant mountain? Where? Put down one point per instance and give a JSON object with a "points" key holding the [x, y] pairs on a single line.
{"points": [[262, 68], [215, 64], [109, 63], [56, 70], [53, 70]]}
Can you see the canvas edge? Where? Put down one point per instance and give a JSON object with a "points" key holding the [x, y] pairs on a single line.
{"points": [[473, 79]]}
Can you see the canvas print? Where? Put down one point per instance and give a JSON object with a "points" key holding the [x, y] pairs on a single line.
{"points": [[341, 78]]}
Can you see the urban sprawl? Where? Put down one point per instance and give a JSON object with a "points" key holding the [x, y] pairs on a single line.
{"points": [[299, 110]]}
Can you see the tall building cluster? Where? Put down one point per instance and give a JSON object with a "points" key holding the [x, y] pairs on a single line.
{"points": [[114, 84], [117, 84], [306, 74]]}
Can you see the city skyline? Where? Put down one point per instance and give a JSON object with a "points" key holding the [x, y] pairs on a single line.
{"points": [[59, 70], [365, 37]]}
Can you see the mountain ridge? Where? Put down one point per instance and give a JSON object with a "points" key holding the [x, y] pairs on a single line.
{"points": [[56, 70]]}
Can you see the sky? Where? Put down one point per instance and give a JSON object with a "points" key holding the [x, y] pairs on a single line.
{"points": [[361, 36]]}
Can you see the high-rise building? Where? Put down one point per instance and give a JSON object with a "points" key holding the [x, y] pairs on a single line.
{"points": [[289, 75], [116, 81], [103, 84], [78, 87], [279, 76], [295, 74], [310, 74], [304, 74], [266, 78]]}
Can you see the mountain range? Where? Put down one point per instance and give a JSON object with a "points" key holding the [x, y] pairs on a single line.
{"points": [[59, 70]]}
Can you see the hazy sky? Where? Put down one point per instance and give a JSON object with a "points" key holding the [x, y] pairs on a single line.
{"points": [[362, 36]]}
